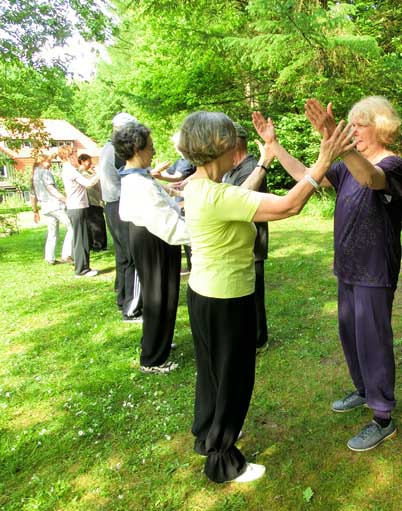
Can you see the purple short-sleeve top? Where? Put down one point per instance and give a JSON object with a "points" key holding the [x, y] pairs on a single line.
{"points": [[367, 226]]}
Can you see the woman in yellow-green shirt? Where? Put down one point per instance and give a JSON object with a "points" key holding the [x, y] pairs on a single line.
{"points": [[221, 302]]}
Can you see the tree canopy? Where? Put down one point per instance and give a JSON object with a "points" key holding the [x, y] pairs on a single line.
{"points": [[170, 58]]}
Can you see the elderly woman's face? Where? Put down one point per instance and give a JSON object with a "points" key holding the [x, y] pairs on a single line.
{"points": [[364, 134], [148, 152]]}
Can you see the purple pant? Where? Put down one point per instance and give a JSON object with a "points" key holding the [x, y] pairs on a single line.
{"points": [[365, 330]]}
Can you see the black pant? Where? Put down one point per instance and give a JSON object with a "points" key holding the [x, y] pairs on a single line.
{"points": [[158, 267], [78, 219], [262, 330], [224, 333], [96, 228], [130, 303]]}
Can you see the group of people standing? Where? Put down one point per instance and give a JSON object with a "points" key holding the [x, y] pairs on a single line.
{"points": [[226, 226]]}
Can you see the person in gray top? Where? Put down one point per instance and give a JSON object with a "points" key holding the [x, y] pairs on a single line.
{"points": [[127, 284], [44, 191], [244, 165]]}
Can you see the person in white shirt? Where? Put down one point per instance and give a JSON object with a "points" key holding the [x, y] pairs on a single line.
{"points": [[75, 185], [53, 207], [156, 231]]}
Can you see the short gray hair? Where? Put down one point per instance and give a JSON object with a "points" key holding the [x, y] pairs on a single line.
{"points": [[204, 136]]}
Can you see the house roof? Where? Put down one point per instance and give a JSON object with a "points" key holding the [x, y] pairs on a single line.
{"points": [[58, 130]]}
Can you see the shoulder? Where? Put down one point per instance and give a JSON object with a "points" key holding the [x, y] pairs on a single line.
{"points": [[391, 163]]}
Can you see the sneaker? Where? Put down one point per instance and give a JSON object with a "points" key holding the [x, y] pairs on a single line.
{"points": [[132, 319], [350, 402], [89, 273], [252, 473], [165, 368], [173, 346], [371, 436]]}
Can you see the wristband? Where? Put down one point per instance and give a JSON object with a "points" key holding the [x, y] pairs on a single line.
{"points": [[263, 167], [312, 181]]}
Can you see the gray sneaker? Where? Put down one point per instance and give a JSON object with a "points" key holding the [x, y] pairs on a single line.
{"points": [[350, 402], [371, 436]]}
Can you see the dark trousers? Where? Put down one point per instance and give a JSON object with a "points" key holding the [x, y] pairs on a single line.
{"points": [[158, 267], [78, 218], [224, 333], [126, 280], [367, 339], [96, 228], [262, 330]]}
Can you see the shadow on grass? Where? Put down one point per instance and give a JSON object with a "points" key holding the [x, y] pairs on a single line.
{"points": [[84, 430]]}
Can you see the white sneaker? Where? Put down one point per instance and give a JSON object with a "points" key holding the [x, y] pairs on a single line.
{"points": [[165, 368], [89, 273], [252, 473]]}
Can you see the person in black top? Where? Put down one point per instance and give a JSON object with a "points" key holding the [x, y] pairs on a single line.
{"points": [[244, 165]]}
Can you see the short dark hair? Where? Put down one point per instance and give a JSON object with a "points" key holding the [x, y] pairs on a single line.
{"points": [[130, 139], [84, 157], [204, 136]]}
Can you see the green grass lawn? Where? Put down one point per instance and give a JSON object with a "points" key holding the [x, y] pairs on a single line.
{"points": [[82, 429]]}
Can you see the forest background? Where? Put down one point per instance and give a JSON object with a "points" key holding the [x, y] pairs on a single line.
{"points": [[167, 59]]}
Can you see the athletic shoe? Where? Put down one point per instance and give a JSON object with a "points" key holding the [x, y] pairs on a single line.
{"points": [[165, 368], [350, 402], [132, 319], [371, 436], [89, 273], [173, 346], [252, 473]]}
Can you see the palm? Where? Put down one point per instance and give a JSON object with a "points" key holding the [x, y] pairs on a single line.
{"points": [[264, 128]]}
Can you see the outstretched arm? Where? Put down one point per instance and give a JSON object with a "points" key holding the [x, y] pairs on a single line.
{"points": [[361, 169], [293, 166], [273, 207]]}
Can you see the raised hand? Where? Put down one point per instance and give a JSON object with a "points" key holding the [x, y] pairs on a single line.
{"points": [[265, 128], [319, 117], [338, 143]]}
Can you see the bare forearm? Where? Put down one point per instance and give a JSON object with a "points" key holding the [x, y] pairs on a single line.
{"points": [[364, 172], [292, 165], [254, 180]]}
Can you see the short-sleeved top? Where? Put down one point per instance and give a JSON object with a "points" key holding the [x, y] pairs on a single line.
{"points": [[75, 187], [367, 226], [236, 177], [219, 218], [41, 179]]}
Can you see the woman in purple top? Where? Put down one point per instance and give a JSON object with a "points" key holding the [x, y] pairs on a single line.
{"points": [[367, 229]]}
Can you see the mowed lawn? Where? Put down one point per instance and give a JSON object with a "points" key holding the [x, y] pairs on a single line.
{"points": [[82, 429]]}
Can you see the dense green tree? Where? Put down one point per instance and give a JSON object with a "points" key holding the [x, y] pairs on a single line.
{"points": [[31, 85], [237, 55]]}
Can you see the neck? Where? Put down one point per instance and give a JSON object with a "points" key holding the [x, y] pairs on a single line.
{"points": [[135, 163], [376, 153], [239, 157]]}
